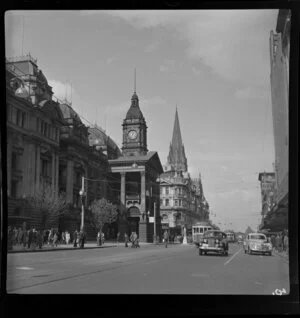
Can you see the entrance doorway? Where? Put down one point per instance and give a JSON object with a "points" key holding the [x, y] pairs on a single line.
{"points": [[133, 225]]}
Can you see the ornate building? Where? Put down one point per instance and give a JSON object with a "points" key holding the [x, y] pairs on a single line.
{"points": [[136, 171], [49, 146], [182, 200], [268, 193]]}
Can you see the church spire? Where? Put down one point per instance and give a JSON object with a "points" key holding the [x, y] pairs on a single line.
{"points": [[177, 156]]}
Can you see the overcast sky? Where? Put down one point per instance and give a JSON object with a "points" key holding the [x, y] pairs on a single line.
{"points": [[214, 65]]}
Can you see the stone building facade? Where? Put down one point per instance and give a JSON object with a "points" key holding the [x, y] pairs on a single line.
{"points": [[49, 146], [182, 201]]}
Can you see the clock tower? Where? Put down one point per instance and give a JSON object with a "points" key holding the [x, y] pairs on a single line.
{"points": [[134, 130]]}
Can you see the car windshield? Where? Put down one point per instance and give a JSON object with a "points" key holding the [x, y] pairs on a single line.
{"points": [[257, 237]]}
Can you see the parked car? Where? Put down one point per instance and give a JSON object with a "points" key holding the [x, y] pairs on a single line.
{"points": [[213, 241], [257, 243]]}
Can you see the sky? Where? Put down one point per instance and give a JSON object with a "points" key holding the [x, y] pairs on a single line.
{"points": [[213, 65]]}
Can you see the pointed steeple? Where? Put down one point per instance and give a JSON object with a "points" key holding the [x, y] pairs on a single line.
{"points": [[134, 111], [177, 157]]}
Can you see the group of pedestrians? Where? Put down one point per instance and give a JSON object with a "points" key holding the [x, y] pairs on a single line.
{"points": [[100, 238], [79, 238], [37, 238], [280, 242]]}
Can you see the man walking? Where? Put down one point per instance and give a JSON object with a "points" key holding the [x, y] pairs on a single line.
{"points": [[118, 237], [126, 239], [166, 238], [75, 238]]}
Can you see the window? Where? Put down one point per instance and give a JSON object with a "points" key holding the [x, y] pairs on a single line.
{"points": [[161, 201], [14, 186], [19, 118], [180, 202], [14, 161], [23, 119], [167, 190], [201, 229], [14, 115], [167, 202], [176, 202]]}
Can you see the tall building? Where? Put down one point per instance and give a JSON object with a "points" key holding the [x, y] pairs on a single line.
{"points": [[137, 171], [182, 200], [279, 57]]}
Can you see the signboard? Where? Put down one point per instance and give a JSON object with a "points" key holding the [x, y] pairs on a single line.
{"points": [[151, 219], [165, 226]]}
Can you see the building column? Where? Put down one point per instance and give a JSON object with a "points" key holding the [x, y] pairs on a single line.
{"points": [[38, 167], [143, 192], [9, 155], [143, 227], [56, 174], [123, 224], [123, 191], [70, 172], [53, 166]]}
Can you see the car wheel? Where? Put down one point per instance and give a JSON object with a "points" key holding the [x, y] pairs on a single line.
{"points": [[205, 253], [270, 253], [200, 252]]}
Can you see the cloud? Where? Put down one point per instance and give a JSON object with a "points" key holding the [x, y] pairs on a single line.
{"points": [[110, 60], [251, 92], [167, 66], [234, 43], [220, 157]]}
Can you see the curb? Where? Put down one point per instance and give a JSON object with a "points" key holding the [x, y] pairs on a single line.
{"points": [[59, 249]]}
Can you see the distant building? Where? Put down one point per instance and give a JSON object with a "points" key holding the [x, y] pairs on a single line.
{"points": [[268, 193], [279, 57], [182, 201]]}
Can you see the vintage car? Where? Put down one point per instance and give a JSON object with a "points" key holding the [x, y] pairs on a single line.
{"points": [[257, 243], [213, 241]]}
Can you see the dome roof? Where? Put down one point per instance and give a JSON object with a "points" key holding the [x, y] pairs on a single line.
{"points": [[134, 111], [69, 113]]}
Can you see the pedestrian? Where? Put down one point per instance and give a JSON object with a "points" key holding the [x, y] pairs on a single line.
{"points": [[30, 232], [55, 238], [286, 242], [118, 237], [75, 237], [278, 243], [137, 242], [126, 239], [98, 238], [132, 238], [102, 238], [166, 238], [34, 238], [63, 237], [40, 238], [273, 239], [67, 237], [82, 238]]}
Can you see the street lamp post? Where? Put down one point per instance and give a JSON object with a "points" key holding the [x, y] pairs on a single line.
{"points": [[81, 193]]}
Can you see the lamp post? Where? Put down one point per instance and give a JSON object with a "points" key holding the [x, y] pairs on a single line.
{"points": [[82, 194]]}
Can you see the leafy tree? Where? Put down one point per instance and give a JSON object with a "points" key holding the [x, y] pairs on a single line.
{"points": [[51, 206], [103, 212]]}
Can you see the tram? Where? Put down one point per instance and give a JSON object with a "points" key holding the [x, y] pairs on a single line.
{"points": [[198, 230], [231, 237]]}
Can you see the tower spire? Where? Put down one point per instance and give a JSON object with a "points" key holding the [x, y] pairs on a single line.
{"points": [[134, 80]]}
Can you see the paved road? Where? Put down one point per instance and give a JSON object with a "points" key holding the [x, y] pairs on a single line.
{"points": [[148, 270]]}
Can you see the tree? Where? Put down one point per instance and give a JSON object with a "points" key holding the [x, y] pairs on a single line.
{"points": [[103, 212], [51, 206]]}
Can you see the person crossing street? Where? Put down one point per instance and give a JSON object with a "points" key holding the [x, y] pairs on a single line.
{"points": [[166, 238]]}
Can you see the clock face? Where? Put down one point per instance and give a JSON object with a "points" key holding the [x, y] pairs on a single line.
{"points": [[132, 134]]}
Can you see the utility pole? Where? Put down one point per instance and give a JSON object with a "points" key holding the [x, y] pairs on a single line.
{"points": [[82, 203], [154, 223]]}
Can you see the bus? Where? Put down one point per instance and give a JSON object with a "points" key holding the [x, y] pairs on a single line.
{"points": [[198, 230]]}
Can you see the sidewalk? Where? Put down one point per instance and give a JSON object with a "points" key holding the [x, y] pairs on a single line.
{"points": [[88, 245], [284, 255]]}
